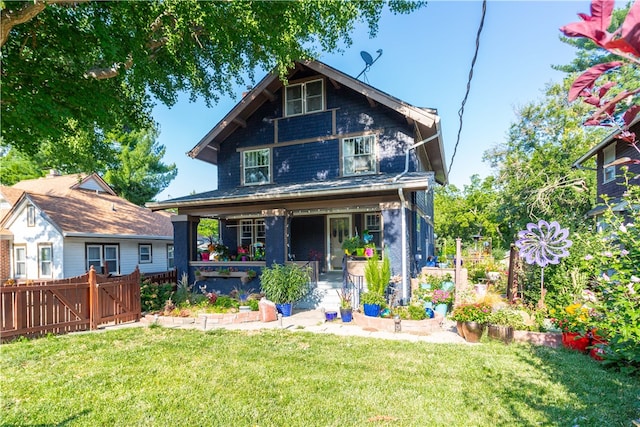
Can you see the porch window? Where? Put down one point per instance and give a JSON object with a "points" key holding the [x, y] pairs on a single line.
{"points": [[104, 258], [304, 98], [609, 173], [252, 235], [171, 263], [20, 261], [45, 259], [144, 254], [256, 166], [358, 155], [373, 226]]}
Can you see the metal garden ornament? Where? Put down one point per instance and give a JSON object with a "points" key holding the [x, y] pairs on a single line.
{"points": [[543, 244]]}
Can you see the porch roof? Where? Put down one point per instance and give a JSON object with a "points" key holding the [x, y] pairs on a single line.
{"points": [[272, 196]]}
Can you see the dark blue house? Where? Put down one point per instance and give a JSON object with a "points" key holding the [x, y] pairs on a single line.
{"points": [[303, 166]]}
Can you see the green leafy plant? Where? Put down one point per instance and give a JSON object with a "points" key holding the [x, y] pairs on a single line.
{"points": [[285, 283], [352, 244], [345, 298], [377, 275], [154, 295], [507, 316], [372, 298]]}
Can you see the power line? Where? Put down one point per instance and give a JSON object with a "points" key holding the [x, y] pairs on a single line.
{"points": [[466, 95]]}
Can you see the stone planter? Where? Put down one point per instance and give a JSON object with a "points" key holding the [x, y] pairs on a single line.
{"points": [[501, 333]]}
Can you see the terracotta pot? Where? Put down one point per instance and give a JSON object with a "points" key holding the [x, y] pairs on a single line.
{"points": [[459, 329], [473, 331]]}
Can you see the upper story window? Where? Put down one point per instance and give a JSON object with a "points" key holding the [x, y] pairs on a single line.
{"points": [[256, 166], [359, 155], [304, 98], [609, 173], [144, 254]]}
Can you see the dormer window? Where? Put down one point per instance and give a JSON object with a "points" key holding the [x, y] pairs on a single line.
{"points": [[256, 166], [359, 155], [304, 98]]}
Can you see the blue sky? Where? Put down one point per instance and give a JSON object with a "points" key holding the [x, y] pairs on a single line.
{"points": [[425, 62]]}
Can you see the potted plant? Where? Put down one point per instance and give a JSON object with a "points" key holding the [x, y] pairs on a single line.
{"points": [[575, 322], [352, 244], [471, 320], [441, 300], [346, 310], [285, 285], [377, 276], [502, 323]]}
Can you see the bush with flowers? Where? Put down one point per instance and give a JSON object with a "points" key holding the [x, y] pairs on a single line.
{"points": [[440, 296], [612, 264], [472, 312]]}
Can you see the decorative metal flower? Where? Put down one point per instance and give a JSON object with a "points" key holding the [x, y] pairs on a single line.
{"points": [[543, 243]]}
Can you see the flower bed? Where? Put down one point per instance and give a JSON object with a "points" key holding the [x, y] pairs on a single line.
{"points": [[415, 327]]}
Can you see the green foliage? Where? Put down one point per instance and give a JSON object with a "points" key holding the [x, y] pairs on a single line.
{"points": [[416, 312], [507, 316], [287, 283], [91, 67], [17, 167], [372, 298], [614, 271], [377, 274], [209, 228], [140, 174], [183, 290], [476, 312], [154, 295]]}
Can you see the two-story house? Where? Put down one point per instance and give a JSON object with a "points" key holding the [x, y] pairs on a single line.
{"points": [[304, 166], [611, 154], [59, 226]]}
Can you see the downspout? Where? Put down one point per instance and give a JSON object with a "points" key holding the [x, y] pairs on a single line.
{"points": [[403, 216]]}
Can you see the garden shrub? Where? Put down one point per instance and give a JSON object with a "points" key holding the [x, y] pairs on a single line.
{"points": [[154, 295]]}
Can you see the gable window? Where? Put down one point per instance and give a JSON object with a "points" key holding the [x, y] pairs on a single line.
{"points": [[358, 155], [144, 254], [304, 98], [103, 258], [45, 258], [256, 166], [609, 173], [31, 216], [20, 261], [171, 263]]}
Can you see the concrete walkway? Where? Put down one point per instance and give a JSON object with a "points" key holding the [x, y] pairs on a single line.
{"points": [[309, 321]]}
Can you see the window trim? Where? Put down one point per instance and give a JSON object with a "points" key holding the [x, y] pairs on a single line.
{"points": [[304, 97], [258, 233], [608, 156], [243, 167], [41, 261], [374, 154], [103, 260], [17, 261], [150, 254]]}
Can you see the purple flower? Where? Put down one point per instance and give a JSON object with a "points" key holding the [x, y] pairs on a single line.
{"points": [[543, 243], [588, 257]]}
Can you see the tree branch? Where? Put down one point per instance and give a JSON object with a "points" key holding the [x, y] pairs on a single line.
{"points": [[9, 18], [109, 72]]}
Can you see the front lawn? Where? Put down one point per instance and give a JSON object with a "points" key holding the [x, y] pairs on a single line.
{"points": [[160, 377]]}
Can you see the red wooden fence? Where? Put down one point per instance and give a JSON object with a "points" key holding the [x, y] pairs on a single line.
{"points": [[69, 305]]}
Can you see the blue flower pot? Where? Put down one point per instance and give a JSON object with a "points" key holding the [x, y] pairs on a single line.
{"points": [[284, 309], [428, 304], [442, 309], [371, 310]]}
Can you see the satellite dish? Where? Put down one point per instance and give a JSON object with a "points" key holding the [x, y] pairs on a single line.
{"points": [[368, 59]]}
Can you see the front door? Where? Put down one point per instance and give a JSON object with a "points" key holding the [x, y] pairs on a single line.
{"points": [[339, 229]]}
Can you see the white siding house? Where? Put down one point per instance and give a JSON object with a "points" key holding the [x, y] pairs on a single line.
{"points": [[59, 226]]}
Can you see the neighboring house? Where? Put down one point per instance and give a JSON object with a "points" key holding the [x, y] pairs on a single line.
{"points": [[304, 166], [58, 226], [610, 177]]}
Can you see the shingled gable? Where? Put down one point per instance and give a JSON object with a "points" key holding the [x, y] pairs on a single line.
{"points": [[425, 121]]}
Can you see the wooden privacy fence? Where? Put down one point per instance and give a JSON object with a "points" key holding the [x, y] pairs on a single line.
{"points": [[69, 305]]}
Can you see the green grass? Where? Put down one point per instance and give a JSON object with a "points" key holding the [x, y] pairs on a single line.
{"points": [[166, 377]]}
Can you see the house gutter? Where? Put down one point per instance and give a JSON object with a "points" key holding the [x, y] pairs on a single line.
{"points": [[403, 215], [416, 145]]}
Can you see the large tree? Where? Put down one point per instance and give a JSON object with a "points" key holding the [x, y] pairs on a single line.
{"points": [[88, 67]]}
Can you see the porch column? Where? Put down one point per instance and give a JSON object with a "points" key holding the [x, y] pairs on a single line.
{"points": [[276, 230], [185, 242], [392, 218]]}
